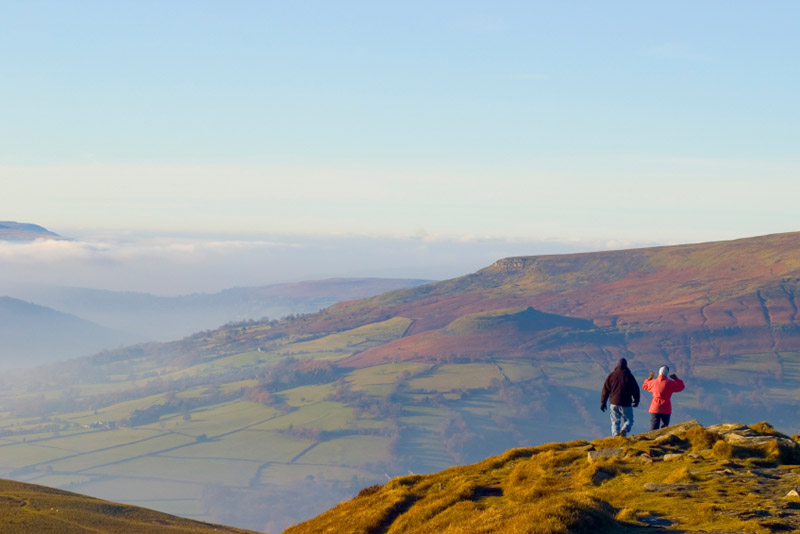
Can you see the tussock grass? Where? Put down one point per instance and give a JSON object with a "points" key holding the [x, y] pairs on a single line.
{"points": [[765, 428], [701, 439], [555, 489], [595, 473], [680, 475], [509, 456], [723, 450], [627, 514], [610, 443]]}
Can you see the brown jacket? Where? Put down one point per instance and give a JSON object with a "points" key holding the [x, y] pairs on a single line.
{"points": [[620, 388]]}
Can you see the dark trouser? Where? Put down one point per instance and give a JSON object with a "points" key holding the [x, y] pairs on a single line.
{"points": [[657, 419]]}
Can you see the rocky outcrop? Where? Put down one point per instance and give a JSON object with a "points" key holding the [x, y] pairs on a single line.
{"points": [[723, 479]]}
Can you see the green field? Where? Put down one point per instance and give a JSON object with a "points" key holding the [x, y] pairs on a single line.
{"points": [[231, 429], [357, 339], [454, 377], [351, 451], [251, 445], [197, 470]]}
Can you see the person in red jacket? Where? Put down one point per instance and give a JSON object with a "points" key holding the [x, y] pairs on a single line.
{"points": [[662, 389]]}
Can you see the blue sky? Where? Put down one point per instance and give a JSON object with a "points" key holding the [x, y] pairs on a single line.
{"points": [[599, 123]]}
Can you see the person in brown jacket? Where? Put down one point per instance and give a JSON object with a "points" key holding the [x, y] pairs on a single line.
{"points": [[622, 390]]}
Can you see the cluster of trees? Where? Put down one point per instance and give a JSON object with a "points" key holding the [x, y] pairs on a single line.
{"points": [[364, 405], [526, 399], [263, 395], [177, 405], [291, 373], [46, 424], [457, 436], [286, 374]]}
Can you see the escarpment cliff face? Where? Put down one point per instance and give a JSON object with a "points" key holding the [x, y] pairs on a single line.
{"points": [[685, 478]]}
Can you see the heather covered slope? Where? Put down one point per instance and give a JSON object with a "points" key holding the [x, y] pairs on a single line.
{"points": [[681, 303], [685, 478], [28, 508]]}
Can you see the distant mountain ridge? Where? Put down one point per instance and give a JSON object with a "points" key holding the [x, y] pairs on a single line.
{"points": [[36, 334], [15, 231], [683, 303], [161, 318]]}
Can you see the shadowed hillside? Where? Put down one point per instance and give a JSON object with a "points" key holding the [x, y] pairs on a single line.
{"points": [[157, 318], [35, 334], [28, 508], [686, 478]]}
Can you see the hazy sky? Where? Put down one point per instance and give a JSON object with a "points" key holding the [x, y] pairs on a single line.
{"points": [[578, 122], [181, 264]]}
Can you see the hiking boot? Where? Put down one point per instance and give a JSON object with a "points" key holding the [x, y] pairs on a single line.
{"points": [[623, 433]]}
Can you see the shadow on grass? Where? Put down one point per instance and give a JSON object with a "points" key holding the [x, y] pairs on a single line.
{"points": [[654, 522]]}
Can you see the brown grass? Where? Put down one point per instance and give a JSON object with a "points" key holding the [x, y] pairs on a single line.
{"points": [[701, 439], [679, 475], [723, 450], [27, 508], [627, 514], [765, 428], [554, 489]]}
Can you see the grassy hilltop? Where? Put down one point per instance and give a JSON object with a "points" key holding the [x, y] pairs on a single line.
{"points": [[307, 411], [28, 508], [725, 478]]}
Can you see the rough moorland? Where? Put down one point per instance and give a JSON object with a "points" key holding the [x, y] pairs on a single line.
{"points": [[723, 479], [28, 508]]}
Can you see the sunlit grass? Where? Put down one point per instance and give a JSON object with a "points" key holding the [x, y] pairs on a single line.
{"points": [[25, 509], [558, 489]]}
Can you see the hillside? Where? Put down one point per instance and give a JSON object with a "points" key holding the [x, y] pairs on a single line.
{"points": [[34, 334], [28, 508], [14, 231], [306, 411], [154, 318], [680, 304], [686, 478]]}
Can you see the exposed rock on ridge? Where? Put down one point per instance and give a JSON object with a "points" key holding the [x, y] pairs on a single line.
{"points": [[728, 478]]}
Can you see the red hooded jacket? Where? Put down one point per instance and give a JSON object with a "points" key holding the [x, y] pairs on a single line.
{"points": [[662, 389]]}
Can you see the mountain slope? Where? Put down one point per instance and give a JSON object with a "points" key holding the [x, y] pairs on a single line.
{"points": [[677, 304], [14, 231], [306, 411], [35, 334], [164, 318], [27, 508], [685, 478]]}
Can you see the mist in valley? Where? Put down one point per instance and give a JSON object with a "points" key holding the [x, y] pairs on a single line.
{"points": [[256, 257]]}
